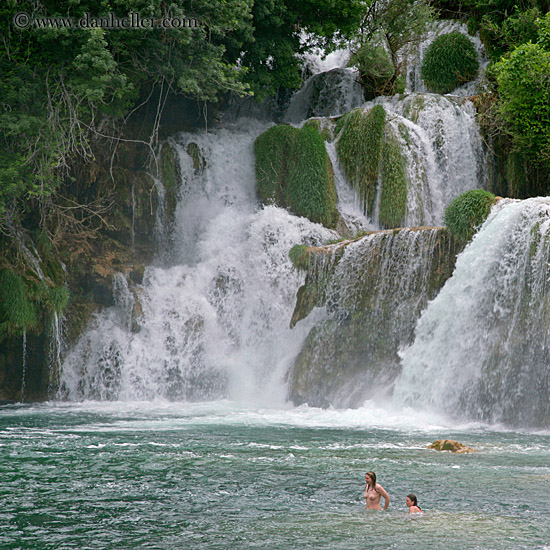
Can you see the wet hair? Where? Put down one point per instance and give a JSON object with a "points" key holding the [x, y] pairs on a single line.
{"points": [[414, 500], [372, 475]]}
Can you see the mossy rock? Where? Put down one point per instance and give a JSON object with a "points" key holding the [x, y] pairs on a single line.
{"points": [[465, 214], [450, 60], [170, 178], [293, 170], [393, 200], [360, 147], [199, 163], [450, 445]]}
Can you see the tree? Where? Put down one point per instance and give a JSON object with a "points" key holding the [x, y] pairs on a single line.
{"points": [[523, 80], [390, 25]]}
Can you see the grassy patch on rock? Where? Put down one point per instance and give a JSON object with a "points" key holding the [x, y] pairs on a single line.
{"points": [[467, 212], [293, 170], [359, 148]]}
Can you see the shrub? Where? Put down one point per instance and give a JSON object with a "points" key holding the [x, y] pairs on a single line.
{"points": [[293, 170], [393, 200], [524, 91], [467, 212], [376, 70], [17, 313], [449, 60], [359, 148]]}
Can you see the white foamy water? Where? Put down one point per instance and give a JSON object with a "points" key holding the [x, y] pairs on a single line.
{"points": [[481, 346], [216, 321], [445, 154]]}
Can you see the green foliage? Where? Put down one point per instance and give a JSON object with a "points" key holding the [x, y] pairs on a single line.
{"points": [[293, 170], [543, 37], [524, 90], [310, 190], [17, 313], [506, 25], [359, 148], [299, 256], [272, 150], [388, 26], [270, 52], [396, 22], [393, 200], [465, 214], [449, 60], [376, 69]]}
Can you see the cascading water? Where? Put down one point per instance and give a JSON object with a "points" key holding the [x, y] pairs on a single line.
{"points": [[214, 323], [374, 290], [482, 346], [210, 322]]}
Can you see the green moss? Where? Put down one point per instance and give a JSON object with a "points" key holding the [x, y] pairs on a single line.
{"points": [[467, 212], [299, 256], [359, 150], [271, 150], [449, 60], [195, 153], [310, 190], [393, 200], [341, 122], [168, 173], [170, 179], [293, 170], [17, 313]]}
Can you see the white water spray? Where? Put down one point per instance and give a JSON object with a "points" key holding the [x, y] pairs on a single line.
{"points": [[216, 322], [482, 345]]}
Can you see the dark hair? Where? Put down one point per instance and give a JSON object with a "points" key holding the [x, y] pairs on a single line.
{"points": [[414, 500], [372, 475]]}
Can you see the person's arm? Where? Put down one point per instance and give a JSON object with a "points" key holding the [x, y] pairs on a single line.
{"points": [[366, 491], [383, 492]]}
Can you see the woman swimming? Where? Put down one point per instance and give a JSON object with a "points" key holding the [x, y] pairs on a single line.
{"points": [[412, 503], [373, 492]]}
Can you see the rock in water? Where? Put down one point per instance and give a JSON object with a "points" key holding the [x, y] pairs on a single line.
{"points": [[450, 445]]}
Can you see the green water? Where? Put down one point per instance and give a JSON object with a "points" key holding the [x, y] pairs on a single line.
{"points": [[125, 476]]}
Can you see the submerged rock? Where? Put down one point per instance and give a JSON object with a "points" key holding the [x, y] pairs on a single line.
{"points": [[450, 445]]}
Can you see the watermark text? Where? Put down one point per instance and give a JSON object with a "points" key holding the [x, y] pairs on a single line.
{"points": [[133, 20]]}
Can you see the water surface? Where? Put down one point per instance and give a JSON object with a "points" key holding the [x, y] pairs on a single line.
{"points": [[218, 475]]}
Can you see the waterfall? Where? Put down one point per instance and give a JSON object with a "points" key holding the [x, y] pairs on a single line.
{"points": [[214, 321], [373, 290], [481, 347], [445, 153], [54, 355]]}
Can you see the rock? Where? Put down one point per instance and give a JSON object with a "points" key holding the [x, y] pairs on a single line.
{"points": [[450, 445]]}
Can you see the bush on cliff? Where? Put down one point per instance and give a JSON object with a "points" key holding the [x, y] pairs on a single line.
{"points": [[466, 213], [293, 171], [17, 313], [359, 148], [449, 61]]}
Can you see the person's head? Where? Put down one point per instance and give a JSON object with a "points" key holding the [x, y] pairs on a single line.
{"points": [[370, 478], [411, 500]]}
